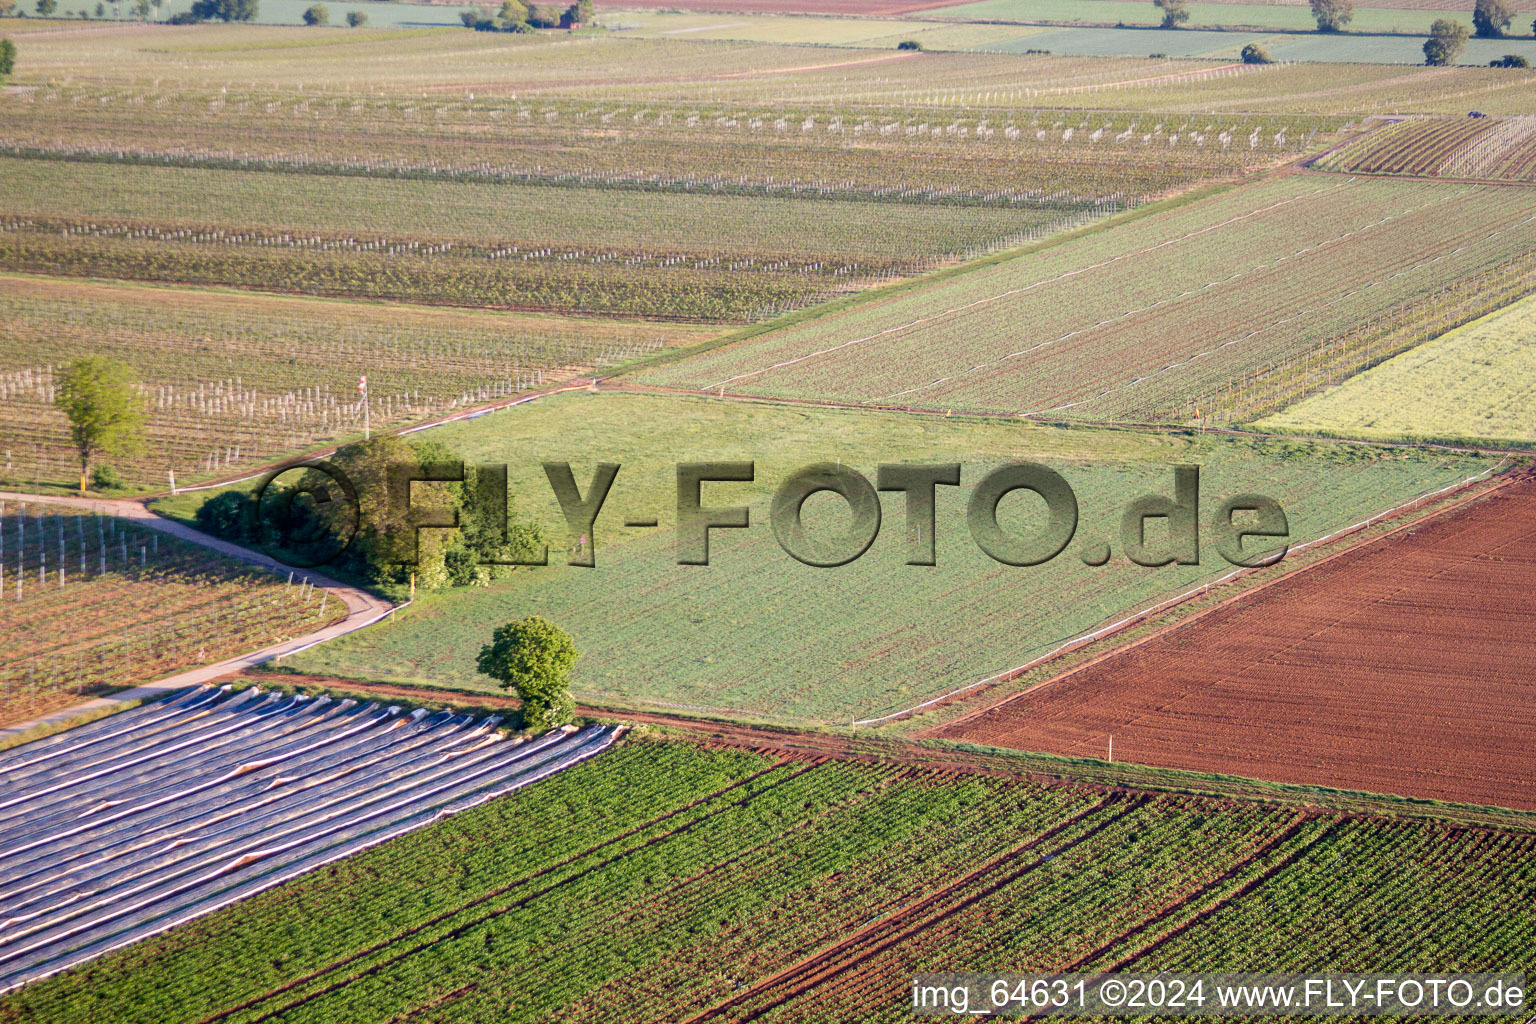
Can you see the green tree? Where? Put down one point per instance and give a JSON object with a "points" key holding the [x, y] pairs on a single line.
{"points": [[533, 657], [1491, 17], [1333, 15], [1445, 42], [6, 7], [104, 407], [225, 10], [47, 7], [141, 9], [1510, 60], [1253, 53], [316, 14], [379, 524], [512, 13], [1175, 12], [356, 19], [387, 538], [227, 515], [7, 56]]}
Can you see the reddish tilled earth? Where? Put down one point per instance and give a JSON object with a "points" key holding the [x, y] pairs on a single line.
{"points": [[1407, 666]]}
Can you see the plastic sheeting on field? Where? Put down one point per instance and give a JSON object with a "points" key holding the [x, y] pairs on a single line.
{"points": [[128, 826]]}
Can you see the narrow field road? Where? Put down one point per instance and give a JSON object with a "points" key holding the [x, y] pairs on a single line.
{"points": [[363, 609]]}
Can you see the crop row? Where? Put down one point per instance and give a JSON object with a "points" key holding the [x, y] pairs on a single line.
{"points": [[138, 230], [1470, 381], [1411, 883], [1121, 324], [681, 293], [439, 69], [1263, 390], [1497, 149], [89, 603], [665, 880], [503, 222], [536, 926], [232, 380], [110, 836], [1042, 911], [891, 155], [348, 115]]}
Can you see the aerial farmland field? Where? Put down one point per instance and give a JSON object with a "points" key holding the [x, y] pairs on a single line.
{"points": [[513, 512], [1255, 703], [1145, 322], [720, 885], [235, 380], [1498, 149], [590, 251], [130, 73], [91, 603], [77, 890], [655, 632], [1471, 382]]}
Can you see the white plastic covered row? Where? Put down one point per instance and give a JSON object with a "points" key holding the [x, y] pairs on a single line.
{"points": [[123, 828]]}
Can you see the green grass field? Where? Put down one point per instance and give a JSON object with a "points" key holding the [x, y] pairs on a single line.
{"points": [[1473, 382], [661, 880], [758, 634], [1137, 322]]}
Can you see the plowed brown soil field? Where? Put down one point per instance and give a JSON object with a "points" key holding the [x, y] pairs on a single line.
{"points": [[1407, 666]]}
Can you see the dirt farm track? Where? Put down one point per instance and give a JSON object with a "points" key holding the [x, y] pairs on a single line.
{"points": [[1408, 667]]}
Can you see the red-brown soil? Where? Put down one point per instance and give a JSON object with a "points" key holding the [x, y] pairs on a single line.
{"points": [[1407, 666]]}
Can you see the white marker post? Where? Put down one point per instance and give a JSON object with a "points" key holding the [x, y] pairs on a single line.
{"points": [[362, 389]]}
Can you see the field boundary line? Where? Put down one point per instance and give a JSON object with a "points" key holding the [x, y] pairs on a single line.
{"points": [[624, 386], [1114, 627]]}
